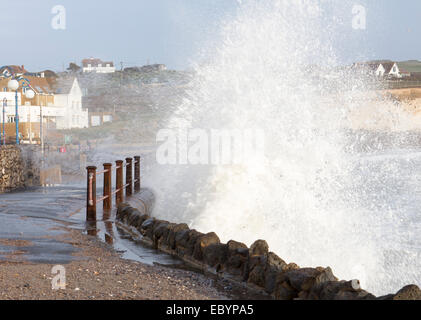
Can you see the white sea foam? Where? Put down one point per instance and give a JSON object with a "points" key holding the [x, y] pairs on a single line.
{"points": [[315, 202]]}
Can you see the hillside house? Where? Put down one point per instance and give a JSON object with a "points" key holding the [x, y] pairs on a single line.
{"points": [[384, 69], [147, 68], [97, 66], [388, 69], [406, 69], [373, 68]]}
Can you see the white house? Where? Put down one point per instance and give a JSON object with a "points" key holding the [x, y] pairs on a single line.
{"points": [[68, 96], [60, 106], [395, 71], [382, 69], [398, 71], [97, 65]]}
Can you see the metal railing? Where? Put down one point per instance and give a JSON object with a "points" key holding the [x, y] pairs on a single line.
{"points": [[91, 199]]}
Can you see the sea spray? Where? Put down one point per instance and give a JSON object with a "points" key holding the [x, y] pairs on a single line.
{"points": [[276, 70]]}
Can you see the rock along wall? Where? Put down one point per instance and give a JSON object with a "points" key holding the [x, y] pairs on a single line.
{"points": [[18, 167], [256, 266]]}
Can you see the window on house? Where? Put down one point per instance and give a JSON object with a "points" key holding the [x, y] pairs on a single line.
{"points": [[107, 118], [95, 121]]}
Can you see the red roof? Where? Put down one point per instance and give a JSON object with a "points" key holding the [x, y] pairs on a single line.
{"points": [[14, 69]]}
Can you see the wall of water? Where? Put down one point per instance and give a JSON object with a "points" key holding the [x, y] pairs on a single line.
{"points": [[316, 200]]}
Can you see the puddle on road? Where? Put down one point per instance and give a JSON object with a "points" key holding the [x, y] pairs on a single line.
{"points": [[38, 215]]}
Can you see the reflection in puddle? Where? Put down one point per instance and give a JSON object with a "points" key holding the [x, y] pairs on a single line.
{"points": [[128, 246], [39, 215]]}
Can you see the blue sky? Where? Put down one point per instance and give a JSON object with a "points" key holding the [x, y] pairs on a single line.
{"points": [[393, 32], [172, 31]]}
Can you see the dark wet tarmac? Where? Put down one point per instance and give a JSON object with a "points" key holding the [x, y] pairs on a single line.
{"points": [[39, 217]]}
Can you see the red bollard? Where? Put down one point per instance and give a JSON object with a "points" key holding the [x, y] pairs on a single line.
{"points": [[137, 174], [119, 182], [129, 183], [91, 194], [107, 187]]}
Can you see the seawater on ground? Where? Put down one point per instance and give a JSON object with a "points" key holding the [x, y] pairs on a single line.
{"points": [[37, 216], [34, 226]]}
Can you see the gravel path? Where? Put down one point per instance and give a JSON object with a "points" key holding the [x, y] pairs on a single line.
{"points": [[99, 273]]}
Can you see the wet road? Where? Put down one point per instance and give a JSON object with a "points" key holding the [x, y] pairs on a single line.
{"points": [[37, 220]]}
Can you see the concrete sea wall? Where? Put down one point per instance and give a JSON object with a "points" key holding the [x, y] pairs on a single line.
{"points": [[255, 267], [19, 167]]}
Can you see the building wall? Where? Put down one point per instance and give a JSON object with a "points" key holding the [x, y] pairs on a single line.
{"points": [[99, 118], [39, 99], [26, 129], [31, 113], [74, 114], [380, 71], [395, 71], [99, 69], [10, 98]]}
